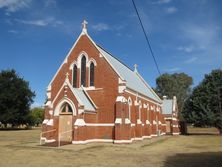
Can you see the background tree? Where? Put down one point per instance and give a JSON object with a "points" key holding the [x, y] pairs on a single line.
{"points": [[178, 84], [37, 115], [203, 107], [15, 98]]}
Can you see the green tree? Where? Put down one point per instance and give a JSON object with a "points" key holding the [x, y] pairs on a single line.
{"points": [[15, 98], [203, 107], [37, 115], [177, 84]]}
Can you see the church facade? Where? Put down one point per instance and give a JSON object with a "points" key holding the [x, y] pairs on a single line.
{"points": [[94, 97]]}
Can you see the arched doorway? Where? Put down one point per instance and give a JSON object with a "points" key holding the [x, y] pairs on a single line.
{"points": [[65, 123]]}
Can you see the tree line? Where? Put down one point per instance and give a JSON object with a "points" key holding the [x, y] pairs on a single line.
{"points": [[200, 105], [16, 98]]}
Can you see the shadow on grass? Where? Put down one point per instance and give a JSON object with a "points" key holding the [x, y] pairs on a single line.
{"points": [[18, 129], [215, 134], [211, 159]]}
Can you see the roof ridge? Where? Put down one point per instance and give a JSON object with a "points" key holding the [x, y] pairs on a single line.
{"points": [[114, 57]]}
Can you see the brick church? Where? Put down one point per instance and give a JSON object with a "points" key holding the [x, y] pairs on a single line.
{"points": [[94, 97]]}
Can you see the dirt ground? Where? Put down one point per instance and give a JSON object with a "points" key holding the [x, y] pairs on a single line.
{"points": [[20, 149]]}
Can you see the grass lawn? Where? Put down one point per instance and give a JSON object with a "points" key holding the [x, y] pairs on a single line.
{"points": [[20, 149]]}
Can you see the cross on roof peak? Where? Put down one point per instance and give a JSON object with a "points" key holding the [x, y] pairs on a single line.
{"points": [[135, 67], [84, 26]]}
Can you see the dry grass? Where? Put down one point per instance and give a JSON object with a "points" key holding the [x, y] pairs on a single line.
{"points": [[20, 148]]}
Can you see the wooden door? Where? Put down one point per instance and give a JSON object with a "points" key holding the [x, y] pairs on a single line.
{"points": [[65, 128], [168, 127]]}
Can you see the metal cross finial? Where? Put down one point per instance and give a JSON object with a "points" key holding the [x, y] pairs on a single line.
{"points": [[84, 25], [135, 67]]}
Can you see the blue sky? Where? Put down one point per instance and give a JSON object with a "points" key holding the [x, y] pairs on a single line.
{"points": [[186, 36]]}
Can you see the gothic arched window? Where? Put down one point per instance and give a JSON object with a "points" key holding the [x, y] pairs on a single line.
{"points": [[91, 80], [83, 71], [74, 76], [66, 108]]}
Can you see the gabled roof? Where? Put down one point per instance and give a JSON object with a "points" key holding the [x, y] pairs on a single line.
{"points": [[167, 106], [133, 80], [80, 94]]}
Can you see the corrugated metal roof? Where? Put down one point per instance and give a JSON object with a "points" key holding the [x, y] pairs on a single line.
{"points": [[167, 106], [133, 81], [83, 99]]}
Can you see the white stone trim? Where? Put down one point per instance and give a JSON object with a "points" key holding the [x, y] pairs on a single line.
{"points": [[142, 124], [49, 104], [146, 137], [175, 126], [153, 135], [147, 122], [121, 99], [92, 140], [154, 122], [176, 133], [79, 122], [50, 122], [99, 124], [133, 125], [138, 138], [172, 118], [138, 121], [79, 60], [45, 121], [50, 112], [120, 81], [121, 88], [136, 103], [91, 60], [47, 141], [127, 121], [159, 123], [122, 141], [72, 65], [118, 121], [61, 102]]}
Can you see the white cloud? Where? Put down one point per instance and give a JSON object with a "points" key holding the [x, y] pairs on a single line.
{"points": [[50, 3], [13, 31], [162, 2], [171, 10], [201, 36], [14, 5], [187, 49], [101, 27], [191, 60], [41, 22]]}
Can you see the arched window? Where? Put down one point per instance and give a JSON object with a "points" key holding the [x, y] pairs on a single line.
{"points": [[74, 76], [140, 106], [129, 107], [92, 67], [66, 108], [83, 71]]}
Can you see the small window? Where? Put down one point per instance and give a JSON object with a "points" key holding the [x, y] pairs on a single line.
{"points": [[92, 67], [83, 71], [74, 76], [66, 108]]}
